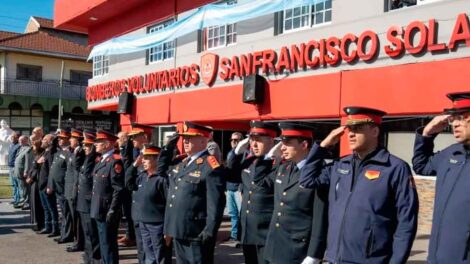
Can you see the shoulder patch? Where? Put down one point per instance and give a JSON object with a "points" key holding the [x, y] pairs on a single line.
{"points": [[118, 168], [372, 174], [213, 162], [199, 161], [116, 156]]}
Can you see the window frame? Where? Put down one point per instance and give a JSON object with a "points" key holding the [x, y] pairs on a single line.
{"points": [[28, 68], [310, 15], [103, 68], [80, 74], [233, 34], [150, 51]]}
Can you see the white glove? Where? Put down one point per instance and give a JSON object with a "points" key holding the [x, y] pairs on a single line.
{"points": [[275, 152], [310, 260], [242, 146]]}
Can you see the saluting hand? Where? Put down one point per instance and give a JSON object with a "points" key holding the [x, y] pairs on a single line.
{"points": [[138, 160], [242, 146], [333, 138], [275, 152], [436, 125], [49, 191]]}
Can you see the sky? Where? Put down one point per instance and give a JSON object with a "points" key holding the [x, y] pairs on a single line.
{"points": [[14, 14]]}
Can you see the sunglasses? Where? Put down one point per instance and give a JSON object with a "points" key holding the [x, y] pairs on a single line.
{"points": [[457, 117], [234, 139]]}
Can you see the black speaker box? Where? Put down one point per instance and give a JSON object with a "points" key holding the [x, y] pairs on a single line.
{"points": [[125, 103], [253, 89]]}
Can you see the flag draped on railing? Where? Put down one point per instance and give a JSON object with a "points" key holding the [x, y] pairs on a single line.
{"points": [[205, 16]]}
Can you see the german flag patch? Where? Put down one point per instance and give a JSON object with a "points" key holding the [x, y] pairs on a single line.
{"points": [[213, 162], [372, 174], [118, 168]]}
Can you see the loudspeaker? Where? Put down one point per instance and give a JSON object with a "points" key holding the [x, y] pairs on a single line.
{"points": [[125, 103], [253, 89]]}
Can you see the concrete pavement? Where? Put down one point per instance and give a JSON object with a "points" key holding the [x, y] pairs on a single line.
{"points": [[20, 245]]}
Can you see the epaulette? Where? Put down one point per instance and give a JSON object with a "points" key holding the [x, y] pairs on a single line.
{"points": [[116, 156], [213, 162]]}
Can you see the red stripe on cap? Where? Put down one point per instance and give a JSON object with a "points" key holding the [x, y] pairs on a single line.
{"points": [[265, 131], [76, 134], [201, 132], [462, 103], [377, 119], [297, 133]]}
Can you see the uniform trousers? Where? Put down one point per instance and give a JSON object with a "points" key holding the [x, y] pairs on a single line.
{"points": [[66, 228], [77, 229], [156, 252], [139, 244], [107, 233], [92, 242], [254, 254], [127, 210], [194, 252]]}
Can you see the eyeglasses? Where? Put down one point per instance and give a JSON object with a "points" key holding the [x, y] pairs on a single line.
{"points": [[459, 118], [234, 139]]}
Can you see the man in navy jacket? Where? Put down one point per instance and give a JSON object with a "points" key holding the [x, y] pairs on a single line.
{"points": [[450, 234], [373, 204]]}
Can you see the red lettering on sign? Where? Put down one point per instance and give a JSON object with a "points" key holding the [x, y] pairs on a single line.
{"points": [[268, 58], [392, 36], [235, 69], [432, 38], [461, 31], [245, 65], [224, 68], [364, 38], [308, 53], [297, 59], [283, 60], [413, 29], [332, 56], [345, 44]]}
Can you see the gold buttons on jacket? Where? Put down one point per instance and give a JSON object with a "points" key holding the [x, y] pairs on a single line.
{"points": [[281, 204], [277, 224], [247, 211], [279, 214], [284, 193]]}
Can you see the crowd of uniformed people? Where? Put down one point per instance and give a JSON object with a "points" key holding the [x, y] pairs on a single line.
{"points": [[295, 204]]}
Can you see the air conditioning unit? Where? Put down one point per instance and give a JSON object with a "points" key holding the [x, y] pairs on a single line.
{"points": [[423, 2]]}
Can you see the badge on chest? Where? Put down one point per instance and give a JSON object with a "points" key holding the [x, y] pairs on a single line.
{"points": [[196, 174], [372, 174]]}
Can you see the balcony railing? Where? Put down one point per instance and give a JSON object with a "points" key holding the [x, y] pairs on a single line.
{"points": [[47, 88]]}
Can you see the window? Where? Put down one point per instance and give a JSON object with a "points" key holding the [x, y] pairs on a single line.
{"points": [[100, 65], [397, 4], [221, 35], [307, 16], [163, 51], [29, 72], [79, 77]]}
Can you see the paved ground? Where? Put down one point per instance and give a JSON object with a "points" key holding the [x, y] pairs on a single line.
{"points": [[20, 245]]}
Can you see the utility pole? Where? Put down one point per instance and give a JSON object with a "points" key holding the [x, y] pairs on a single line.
{"points": [[61, 83]]}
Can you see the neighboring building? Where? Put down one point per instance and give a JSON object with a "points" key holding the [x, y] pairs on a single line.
{"points": [[396, 55], [30, 73]]}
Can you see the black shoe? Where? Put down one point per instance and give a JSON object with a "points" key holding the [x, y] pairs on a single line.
{"points": [[17, 206], [54, 234], [74, 249], [56, 239], [45, 231], [63, 241], [25, 207]]}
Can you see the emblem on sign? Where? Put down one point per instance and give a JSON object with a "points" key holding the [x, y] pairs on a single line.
{"points": [[209, 66]]}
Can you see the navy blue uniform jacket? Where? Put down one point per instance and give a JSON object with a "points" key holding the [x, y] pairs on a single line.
{"points": [[373, 220], [108, 182], [450, 234], [299, 223], [256, 176], [196, 199]]}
